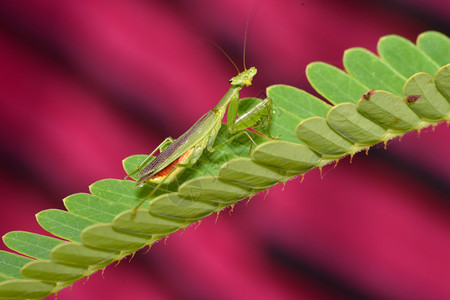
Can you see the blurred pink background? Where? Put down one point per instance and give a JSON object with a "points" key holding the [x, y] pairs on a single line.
{"points": [[84, 84]]}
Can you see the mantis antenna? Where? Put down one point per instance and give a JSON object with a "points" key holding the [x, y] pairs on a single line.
{"points": [[247, 23], [244, 50], [226, 55], [245, 40]]}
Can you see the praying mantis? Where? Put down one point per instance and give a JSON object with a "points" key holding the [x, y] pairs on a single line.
{"points": [[177, 154]]}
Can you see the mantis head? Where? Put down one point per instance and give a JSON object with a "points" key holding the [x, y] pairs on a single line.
{"points": [[244, 78]]}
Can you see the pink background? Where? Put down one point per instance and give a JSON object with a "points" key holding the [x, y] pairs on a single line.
{"points": [[83, 84]]}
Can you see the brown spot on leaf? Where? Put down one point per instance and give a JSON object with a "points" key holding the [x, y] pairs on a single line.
{"points": [[368, 94], [412, 98]]}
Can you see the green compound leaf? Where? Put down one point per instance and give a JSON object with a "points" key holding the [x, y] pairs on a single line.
{"points": [[94, 208], [51, 271], [119, 191], [334, 84], [348, 122], [293, 158], [376, 99], [63, 224], [390, 111], [31, 244], [251, 174], [424, 98], [143, 222], [210, 188], [443, 81], [297, 103], [25, 289], [436, 45], [172, 206], [405, 57], [10, 265], [372, 71], [82, 255], [104, 236], [319, 136]]}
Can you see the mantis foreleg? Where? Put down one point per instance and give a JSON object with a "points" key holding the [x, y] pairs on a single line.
{"points": [[254, 117]]}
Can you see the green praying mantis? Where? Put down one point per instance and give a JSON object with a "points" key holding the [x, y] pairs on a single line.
{"points": [[185, 151], [188, 148]]}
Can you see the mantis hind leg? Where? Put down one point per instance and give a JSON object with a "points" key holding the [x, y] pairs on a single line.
{"points": [[150, 157]]}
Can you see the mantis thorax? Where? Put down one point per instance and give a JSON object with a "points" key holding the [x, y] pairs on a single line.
{"points": [[244, 78]]}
